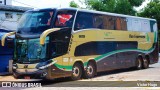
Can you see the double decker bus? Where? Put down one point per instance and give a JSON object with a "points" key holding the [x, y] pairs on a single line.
{"points": [[67, 42]]}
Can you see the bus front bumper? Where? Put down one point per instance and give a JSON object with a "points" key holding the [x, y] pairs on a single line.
{"points": [[30, 73]]}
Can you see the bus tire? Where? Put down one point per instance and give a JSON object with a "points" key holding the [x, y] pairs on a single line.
{"points": [[90, 71], [76, 71], [139, 63], [15, 76], [145, 63]]}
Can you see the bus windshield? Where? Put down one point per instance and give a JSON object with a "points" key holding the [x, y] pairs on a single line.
{"points": [[35, 22], [29, 50]]}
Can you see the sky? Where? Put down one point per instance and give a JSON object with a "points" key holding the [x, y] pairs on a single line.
{"points": [[41, 3], [53, 3]]}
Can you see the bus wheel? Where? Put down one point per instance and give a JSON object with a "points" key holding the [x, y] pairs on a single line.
{"points": [[90, 70], [139, 63], [76, 72], [145, 63]]}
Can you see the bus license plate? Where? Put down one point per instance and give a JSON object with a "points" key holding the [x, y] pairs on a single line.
{"points": [[27, 77]]}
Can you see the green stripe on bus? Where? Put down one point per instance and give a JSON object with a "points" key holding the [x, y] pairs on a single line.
{"points": [[63, 67], [118, 51], [147, 38], [155, 37], [69, 68]]}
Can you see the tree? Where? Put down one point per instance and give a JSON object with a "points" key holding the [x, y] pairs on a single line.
{"points": [[124, 7], [152, 10], [136, 3], [73, 4], [114, 6]]}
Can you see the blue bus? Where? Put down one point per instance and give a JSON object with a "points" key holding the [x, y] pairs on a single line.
{"points": [[6, 53]]}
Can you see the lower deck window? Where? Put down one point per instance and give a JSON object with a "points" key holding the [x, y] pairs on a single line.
{"points": [[99, 48]]}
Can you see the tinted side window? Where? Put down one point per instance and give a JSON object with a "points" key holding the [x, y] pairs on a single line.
{"points": [[83, 21], [98, 21], [126, 45], [95, 48], [59, 42], [153, 26], [59, 48], [103, 47], [64, 18], [104, 22], [121, 23], [109, 22]]}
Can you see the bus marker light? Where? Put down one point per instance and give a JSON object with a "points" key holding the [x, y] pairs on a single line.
{"points": [[27, 77]]}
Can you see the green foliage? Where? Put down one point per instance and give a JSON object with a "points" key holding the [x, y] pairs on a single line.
{"points": [[114, 6], [124, 7], [73, 4], [100, 5], [136, 2], [152, 10]]}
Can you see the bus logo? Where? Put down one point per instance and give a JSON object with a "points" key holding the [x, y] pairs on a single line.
{"points": [[25, 66], [107, 33], [81, 36]]}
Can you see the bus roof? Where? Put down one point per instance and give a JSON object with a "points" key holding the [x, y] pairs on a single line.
{"points": [[99, 12]]}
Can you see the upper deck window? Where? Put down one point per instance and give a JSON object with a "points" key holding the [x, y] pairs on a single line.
{"points": [[121, 23], [83, 21], [136, 23], [145, 26], [35, 22], [86, 20], [109, 22], [153, 26], [65, 19]]}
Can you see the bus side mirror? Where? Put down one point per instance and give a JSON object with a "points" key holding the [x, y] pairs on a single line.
{"points": [[4, 37], [46, 33]]}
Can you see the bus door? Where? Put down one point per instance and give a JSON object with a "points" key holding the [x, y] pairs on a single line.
{"points": [[59, 43]]}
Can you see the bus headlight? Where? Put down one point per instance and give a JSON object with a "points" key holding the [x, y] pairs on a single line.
{"points": [[46, 64], [14, 66], [41, 64]]}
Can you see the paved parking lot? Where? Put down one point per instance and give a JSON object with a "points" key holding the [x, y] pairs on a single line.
{"points": [[150, 74]]}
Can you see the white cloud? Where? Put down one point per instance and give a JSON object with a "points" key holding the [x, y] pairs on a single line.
{"points": [[143, 5]]}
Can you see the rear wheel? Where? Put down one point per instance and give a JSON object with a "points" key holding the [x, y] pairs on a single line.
{"points": [[90, 70], [76, 72], [145, 63], [139, 63]]}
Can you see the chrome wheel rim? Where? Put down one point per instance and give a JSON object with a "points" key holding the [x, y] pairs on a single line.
{"points": [[139, 63], [90, 70], [76, 71], [145, 62]]}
